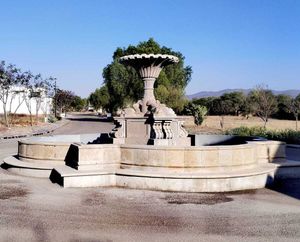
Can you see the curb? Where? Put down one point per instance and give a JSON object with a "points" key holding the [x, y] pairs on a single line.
{"points": [[292, 146], [37, 133]]}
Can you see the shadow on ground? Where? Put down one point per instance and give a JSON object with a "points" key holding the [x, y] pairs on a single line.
{"points": [[91, 119], [289, 187]]}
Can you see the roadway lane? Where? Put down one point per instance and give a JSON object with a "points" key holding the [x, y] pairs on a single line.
{"points": [[7, 148], [84, 124]]}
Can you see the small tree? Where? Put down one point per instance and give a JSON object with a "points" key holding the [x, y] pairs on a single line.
{"points": [[294, 108], [40, 89], [9, 78], [63, 99], [263, 103], [199, 112], [17, 96], [48, 86], [35, 90]]}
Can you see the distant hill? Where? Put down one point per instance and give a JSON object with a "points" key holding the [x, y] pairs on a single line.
{"points": [[292, 93]]}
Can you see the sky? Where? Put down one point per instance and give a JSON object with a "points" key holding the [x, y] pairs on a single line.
{"points": [[228, 43]]}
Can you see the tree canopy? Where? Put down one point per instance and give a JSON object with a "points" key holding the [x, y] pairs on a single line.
{"points": [[263, 103], [99, 98], [63, 100], [125, 87]]}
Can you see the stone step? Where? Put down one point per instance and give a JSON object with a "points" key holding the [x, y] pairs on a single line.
{"points": [[36, 169], [166, 181], [69, 177], [204, 181], [189, 169], [66, 171], [200, 173]]}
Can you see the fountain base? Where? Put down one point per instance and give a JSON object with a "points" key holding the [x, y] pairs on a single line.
{"points": [[150, 130], [205, 167]]}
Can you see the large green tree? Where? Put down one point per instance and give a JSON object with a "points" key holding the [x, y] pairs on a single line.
{"points": [[283, 107], [99, 98], [78, 103], [125, 86]]}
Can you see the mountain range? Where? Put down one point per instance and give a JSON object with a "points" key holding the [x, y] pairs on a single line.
{"points": [[292, 93]]}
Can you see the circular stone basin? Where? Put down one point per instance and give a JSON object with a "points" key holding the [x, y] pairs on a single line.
{"points": [[51, 148], [215, 140], [213, 163]]}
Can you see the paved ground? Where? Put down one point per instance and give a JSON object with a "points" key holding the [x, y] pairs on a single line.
{"points": [[84, 123], [34, 209]]}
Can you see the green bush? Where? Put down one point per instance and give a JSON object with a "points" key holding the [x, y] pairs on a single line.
{"points": [[197, 111], [289, 136], [52, 119], [245, 131]]}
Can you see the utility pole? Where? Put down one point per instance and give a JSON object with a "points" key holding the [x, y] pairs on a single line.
{"points": [[55, 99]]}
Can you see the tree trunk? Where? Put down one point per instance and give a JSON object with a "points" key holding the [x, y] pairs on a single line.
{"points": [[222, 122], [5, 115], [13, 116], [37, 115], [265, 123], [31, 119], [37, 108]]}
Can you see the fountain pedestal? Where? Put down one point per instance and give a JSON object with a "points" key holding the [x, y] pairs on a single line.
{"points": [[148, 121], [151, 131]]}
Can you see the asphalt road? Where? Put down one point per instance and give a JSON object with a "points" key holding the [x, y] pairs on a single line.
{"points": [[33, 209], [84, 124]]}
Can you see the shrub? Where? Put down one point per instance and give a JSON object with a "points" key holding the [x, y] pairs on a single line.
{"points": [[52, 119], [197, 111], [289, 136]]}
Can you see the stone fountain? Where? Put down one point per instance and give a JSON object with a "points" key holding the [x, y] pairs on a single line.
{"points": [[149, 149], [148, 121]]}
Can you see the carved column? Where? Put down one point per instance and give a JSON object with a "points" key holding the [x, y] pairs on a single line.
{"points": [[148, 93]]}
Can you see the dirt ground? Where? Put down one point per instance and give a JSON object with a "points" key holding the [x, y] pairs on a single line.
{"points": [[211, 124]]}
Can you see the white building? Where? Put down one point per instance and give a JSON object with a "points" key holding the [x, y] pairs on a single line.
{"points": [[22, 101]]}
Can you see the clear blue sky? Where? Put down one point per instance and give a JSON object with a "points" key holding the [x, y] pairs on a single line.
{"points": [[229, 44]]}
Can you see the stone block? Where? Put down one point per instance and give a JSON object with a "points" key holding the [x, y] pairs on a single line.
{"points": [[210, 157], [111, 154], [193, 158], [90, 156], [225, 157], [174, 158], [127, 155], [238, 156], [157, 157], [141, 156]]}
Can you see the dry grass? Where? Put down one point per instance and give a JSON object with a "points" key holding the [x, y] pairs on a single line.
{"points": [[22, 120], [212, 124]]}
